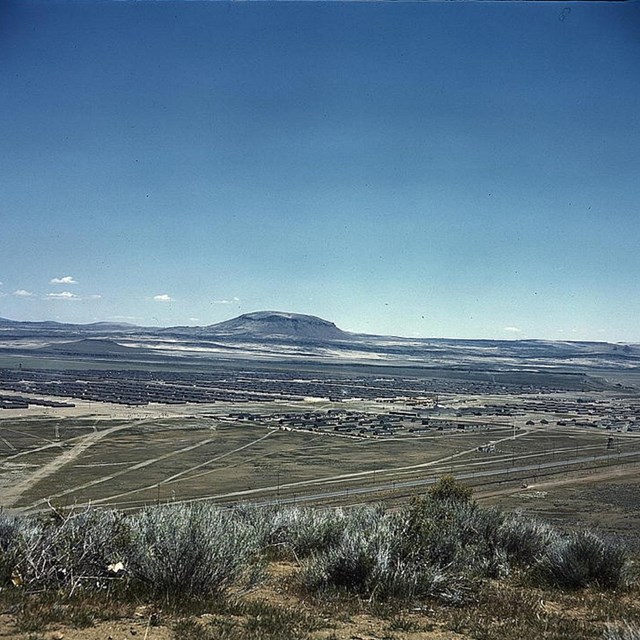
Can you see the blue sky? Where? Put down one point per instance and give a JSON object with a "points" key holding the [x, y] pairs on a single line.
{"points": [[419, 169]]}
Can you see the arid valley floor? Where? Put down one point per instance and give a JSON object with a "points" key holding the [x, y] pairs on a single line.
{"points": [[318, 437], [553, 431]]}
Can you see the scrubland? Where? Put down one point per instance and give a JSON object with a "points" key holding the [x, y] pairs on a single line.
{"points": [[439, 567]]}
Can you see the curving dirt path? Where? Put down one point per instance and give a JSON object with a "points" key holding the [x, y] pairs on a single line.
{"points": [[134, 467], [169, 480], [12, 494], [326, 480]]}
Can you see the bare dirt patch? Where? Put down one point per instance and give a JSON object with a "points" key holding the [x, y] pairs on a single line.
{"points": [[607, 500]]}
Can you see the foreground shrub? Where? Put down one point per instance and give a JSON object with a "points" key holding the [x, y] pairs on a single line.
{"points": [[374, 563], [435, 547], [301, 531], [308, 531], [479, 541], [189, 550], [8, 528], [449, 489], [623, 632], [524, 540], [294, 531], [8, 531], [457, 534], [67, 552], [584, 559]]}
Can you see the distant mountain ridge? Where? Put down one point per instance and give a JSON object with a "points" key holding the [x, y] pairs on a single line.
{"points": [[283, 334], [91, 347], [266, 324], [53, 324]]}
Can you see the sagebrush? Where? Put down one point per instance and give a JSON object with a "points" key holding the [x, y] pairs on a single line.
{"points": [[442, 545]]}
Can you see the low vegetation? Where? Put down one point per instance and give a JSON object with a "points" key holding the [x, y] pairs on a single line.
{"points": [[442, 549], [622, 632], [584, 559], [188, 551]]}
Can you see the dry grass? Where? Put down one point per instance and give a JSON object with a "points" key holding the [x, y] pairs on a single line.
{"points": [[502, 610], [443, 567]]}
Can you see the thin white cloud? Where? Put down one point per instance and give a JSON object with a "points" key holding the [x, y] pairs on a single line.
{"points": [[194, 319], [22, 293], [233, 300], [64, 295], [163, 297], [63, 280], [513, 329], [1, 283], [94, 296]]}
